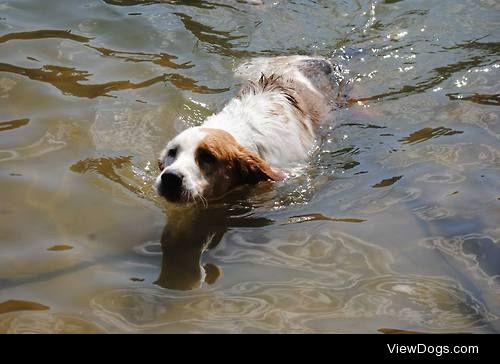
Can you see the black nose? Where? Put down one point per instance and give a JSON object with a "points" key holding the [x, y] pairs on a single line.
{"points": [[171, 186]]}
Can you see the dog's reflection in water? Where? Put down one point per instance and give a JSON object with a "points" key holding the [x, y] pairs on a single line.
{"points": [[190, 231]]}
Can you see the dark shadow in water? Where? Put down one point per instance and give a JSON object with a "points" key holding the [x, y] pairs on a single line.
{"points": [[424, 134], [194, 3], [17, 305], [319, 217], [13, 124], [207, 33], [160, 59], [68, 81], [109, 168], [44, 34], [190, 231], [483, 99], [387, 182], [492, 48], [220, 41], [60, 247]]}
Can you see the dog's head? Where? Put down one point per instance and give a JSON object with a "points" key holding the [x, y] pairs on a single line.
{"points": [[203, 163]]}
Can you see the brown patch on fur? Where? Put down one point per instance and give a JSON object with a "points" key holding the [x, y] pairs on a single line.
{"points": [[229, 163]]}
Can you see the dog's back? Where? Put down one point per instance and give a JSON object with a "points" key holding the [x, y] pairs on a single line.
{"points": [[315, 79], [317, 70]]}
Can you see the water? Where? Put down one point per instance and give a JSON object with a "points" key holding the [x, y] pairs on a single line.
{"points": [[392, 226]]}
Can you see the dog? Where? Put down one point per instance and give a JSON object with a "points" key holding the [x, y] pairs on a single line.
{"points": [[263, 132]]}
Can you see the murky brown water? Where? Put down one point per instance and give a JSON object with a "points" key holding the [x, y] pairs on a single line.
{"points": [[394, 226]]}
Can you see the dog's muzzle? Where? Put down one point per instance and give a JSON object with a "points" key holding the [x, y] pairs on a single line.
{"points": [[171, 186]]}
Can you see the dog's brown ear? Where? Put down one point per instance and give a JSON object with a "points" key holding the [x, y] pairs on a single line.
{"points": [[254, 169]]}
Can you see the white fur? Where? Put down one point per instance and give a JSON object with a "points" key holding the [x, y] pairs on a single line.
{"points": [[251, 123]]}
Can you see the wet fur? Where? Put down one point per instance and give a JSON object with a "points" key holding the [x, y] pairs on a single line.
{"points": [[268, 128]]}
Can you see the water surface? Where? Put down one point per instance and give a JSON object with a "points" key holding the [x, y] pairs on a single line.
{"points": [[393, 225]]}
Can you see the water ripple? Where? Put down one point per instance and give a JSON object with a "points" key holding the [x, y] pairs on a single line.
{"points": [[459, 156], [46, 323], [44, 34], [478, 252], [67, 80], [285, 306], [331, 255], [55, 138]]}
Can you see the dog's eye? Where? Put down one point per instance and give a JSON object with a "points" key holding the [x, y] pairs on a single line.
{"points": [[160, 164], [206, 157], [172, 152]]}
